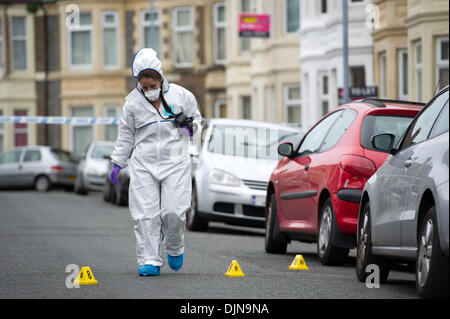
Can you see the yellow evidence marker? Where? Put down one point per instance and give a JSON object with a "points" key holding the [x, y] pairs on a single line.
{"points": [[234, 270], [299, 263], [85, 277]]}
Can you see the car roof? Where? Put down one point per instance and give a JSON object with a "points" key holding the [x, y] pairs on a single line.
{"points": [[252, 123]]}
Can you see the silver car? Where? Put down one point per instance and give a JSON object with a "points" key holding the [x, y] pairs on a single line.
{"points": [[93, 167], [236, 159], [40, 167], [404, 208]]}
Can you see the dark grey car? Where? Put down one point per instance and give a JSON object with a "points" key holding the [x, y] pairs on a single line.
{"points": [[38, 166], [405, 204]]}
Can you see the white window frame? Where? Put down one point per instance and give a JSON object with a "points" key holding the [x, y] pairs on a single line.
{"points": [[440, 63], [18, 38], [217, 105], [151, 24], [324, 97], [419, 69], [116, 110], [383, 74], [74, 125], [288, 103], [242, 98], [184, 29], [115, 26], [286, 19], [241, 40], [217, 26], [401, 88], [2, 133], [81, 28]]}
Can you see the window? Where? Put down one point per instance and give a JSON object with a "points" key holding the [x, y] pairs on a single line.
{"points": [[110, 24], [19, 43], [423, 123], [292, 15], [338, 130], [246, 103], [323, 6], [292, 103], [184, 37], [418, 68], [1, 51], [441, 125], [377, 124], [32, 156], [442, 62], [111, 130], [20, 130], [245, 42], [357, 76], [220, 109], [219, 33], [324, 93], [383, 75], [11, 157], [81, 135], [2, 134], [151, 27], [80, 43], [312, 142], [402, 74]]}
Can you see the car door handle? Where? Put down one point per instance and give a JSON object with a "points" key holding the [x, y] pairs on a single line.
{"points": [[409, 162]]}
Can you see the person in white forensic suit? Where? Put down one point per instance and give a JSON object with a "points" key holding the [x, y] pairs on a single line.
{"points": [[158, 121]]}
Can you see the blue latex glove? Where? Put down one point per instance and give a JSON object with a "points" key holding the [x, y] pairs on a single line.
{"points": [[114, 173], [187, 131]]}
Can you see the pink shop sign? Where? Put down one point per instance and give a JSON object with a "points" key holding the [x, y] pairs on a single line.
{"points": [[254, 25]]}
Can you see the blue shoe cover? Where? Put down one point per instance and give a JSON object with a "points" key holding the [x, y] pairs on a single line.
{"points": [[148, 270], [175, 262]]}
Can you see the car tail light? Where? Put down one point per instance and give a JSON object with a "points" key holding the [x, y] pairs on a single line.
{"points": [[357, 165], [57, 168]]}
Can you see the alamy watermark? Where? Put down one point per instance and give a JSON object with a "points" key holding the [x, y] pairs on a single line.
{"points": [[373, 279], [73, 271], [72, 16]]}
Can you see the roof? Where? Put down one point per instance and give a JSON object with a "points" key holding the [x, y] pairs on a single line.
{"points": [[252, 123]]}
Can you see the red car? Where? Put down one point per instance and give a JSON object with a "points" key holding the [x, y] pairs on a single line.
{"points": [[314, 193]]}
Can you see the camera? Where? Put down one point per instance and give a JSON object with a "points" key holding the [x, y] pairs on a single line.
{"points": [[181, 120]]}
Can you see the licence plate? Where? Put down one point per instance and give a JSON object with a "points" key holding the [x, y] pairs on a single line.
{"points": [[258, 200], [72, 178]]}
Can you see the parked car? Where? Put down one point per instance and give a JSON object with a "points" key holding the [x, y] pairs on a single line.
{"points": [[40, 167], [230, 180], [93, 167], [404, 209], [314, 192], [117, 194]]}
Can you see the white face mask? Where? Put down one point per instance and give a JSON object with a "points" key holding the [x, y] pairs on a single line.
{"points": [[153, 95]]}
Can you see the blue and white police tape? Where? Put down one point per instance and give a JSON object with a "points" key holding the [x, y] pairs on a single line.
{"points": [[59, 120]]}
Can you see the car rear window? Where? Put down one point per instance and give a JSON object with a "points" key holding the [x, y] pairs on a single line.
{"points": [[380, 124], [63, 156]]}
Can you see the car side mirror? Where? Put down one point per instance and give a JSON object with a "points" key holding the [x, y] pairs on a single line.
{"points": [[107, 157], [286, 149], [383, 142]]}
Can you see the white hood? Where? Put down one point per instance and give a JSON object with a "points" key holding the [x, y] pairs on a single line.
{"points": [[146, 59]]}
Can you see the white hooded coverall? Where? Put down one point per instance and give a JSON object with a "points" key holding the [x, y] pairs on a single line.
{"points": [[160, 167]]}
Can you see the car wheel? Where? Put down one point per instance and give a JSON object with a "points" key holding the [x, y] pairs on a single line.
{"points": [[42, 184], [79, 189], [432, 264], [121, 197], [193, 221], [327, 252], [364, 256], [108, 192], [273, 246]]}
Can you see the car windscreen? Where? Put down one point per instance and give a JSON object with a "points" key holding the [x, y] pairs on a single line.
{"points": [[250, 142], [63, 156], [100, 151], [380, 124]]}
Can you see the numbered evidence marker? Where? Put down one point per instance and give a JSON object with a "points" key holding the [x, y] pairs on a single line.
{"points": [[85, 277], [299, 263], [234, 270]]}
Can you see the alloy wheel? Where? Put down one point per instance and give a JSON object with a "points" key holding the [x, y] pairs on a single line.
{"points": [[325, 230], [425, 252]]}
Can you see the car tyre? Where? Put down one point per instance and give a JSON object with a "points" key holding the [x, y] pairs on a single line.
{"points": [[364, 256], [327, 252], [193, 221], [121, 196], [108, 192], [79, 189], [42, 184], [432, 264], [272, 245]]}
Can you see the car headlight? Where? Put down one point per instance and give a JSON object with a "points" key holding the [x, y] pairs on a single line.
{"points": [[220, 177]]}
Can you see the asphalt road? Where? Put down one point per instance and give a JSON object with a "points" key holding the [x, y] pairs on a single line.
{"points": [[41, 234]]}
